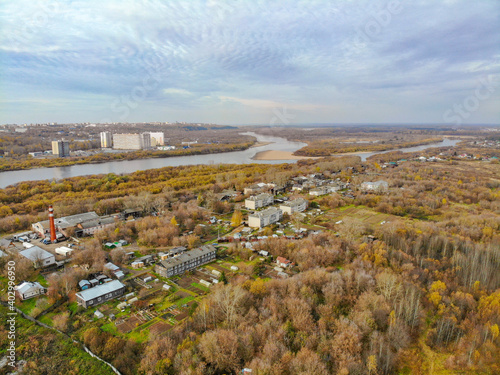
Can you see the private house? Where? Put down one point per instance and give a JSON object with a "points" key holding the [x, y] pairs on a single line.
{"points": [[296, 205], [27, 290], [377, 186], [258, 201], [186, 261], [39, 257], [283, 262], [115, 270], [100, 293], [264, 218]]}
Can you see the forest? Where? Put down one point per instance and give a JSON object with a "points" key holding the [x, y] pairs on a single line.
{"points": [[416, 295]]}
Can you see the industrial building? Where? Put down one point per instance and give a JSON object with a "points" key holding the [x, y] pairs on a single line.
{"points": [[100, 293], [296, 205], [60, 148], [264, 218], [258, 201], [83, 224], [106, 140], [140, 141], [186, 261]]}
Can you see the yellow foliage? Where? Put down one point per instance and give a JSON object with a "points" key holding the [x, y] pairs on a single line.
{"points": [[438, 286], [435, 298], [258, 287], [494, 331], [173, 221]]}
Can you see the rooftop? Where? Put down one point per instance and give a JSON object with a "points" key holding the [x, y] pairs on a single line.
{"points": [[267, 212], [195, 253], [260, 196], [100, 290], [35, 254]]}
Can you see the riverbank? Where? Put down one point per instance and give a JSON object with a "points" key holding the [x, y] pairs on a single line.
{"points": [[7, 165], [279, 155]]}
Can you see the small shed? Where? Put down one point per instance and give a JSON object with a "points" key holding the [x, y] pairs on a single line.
{"points": [[98, 314], [234, 268], [84, 284], [216, 272], [166, 287]]}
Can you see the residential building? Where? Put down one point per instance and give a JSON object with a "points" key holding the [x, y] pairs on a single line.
{"points": [[27, 290], [100, 293], [60, 148], [157, 139], [106, 140], [377, 186], [283, 262], [140, 141], [258, 188], [296, 205], [322, 190], [258, 201], [186, 261], [264, 218], [39, 257]]}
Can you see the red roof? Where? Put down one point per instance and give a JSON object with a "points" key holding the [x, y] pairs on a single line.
{"points": [[283, 260]]}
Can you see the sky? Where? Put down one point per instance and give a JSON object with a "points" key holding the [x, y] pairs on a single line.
{"points": [[250, 61]]}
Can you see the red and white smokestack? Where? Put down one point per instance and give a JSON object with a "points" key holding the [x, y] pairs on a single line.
{"points": [[52, 225]]}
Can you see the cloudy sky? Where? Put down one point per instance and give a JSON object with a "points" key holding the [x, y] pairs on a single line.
{"points": [[250, 61]]}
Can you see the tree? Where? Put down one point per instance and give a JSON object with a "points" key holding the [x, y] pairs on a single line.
{"points": [[222, 278], [173, 221], [236, 218]]}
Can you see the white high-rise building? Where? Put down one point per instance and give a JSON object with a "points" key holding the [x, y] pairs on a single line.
{"points": [[60, 148], [157, 139], [106, 140], [132, 141]]}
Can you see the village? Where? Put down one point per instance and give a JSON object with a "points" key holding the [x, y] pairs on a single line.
{"points": [[152, 290]]}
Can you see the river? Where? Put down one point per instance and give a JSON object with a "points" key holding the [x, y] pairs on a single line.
{"points": [[129, 166]]}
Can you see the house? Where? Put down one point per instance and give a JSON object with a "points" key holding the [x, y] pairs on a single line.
{"points": [[39, 257], [115, 270], [100, 293], [264, 218], [186, 261], [283, 262], [377, 186], [27, 290], [258, 201], [296, 205]]}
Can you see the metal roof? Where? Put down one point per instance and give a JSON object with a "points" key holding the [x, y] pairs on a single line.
{"points": [[100, 290], [36, 253]]}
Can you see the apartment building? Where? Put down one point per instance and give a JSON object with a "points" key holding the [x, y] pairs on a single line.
{"points": [[264, 218], [140, 141], [186, 261], [296, 205], [258, 201]]}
